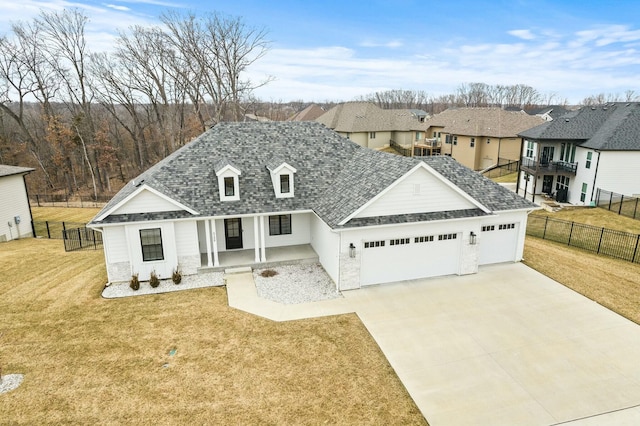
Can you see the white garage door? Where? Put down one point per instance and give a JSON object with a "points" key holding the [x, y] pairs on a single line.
{"points": [[498, 243], [409, 258]]}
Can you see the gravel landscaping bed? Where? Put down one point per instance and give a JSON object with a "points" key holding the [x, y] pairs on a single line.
{"points": [[295, 284], [10, 381], [122, 289]]}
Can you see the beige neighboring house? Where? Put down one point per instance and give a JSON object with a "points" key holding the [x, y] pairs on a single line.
{"points": [[373, 127], [480, 138], [15, 211], [310, 113]]}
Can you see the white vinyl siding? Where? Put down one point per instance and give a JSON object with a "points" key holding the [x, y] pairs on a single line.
{"points": [[417, 193], [618, 172], [327, 245], [14, 203], [147, 202]]}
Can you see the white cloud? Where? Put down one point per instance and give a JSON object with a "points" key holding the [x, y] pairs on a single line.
{"points": [[392, 44], [523, 34], [116, 7]]}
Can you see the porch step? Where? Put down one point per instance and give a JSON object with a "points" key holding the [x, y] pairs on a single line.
{"points": [[238, 270]]}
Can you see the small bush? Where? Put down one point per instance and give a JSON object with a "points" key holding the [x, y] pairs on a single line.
{"points": [[176, 276], [268, 273], [134, 283], [154, 281]]}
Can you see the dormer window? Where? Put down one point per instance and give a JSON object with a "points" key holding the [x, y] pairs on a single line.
{"points": [[229, 187], [282, 178], [228, 180], [284, 184]]}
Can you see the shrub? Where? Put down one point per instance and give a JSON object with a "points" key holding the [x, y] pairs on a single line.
{"points": [[176, 276], [154, 280], [268, 273], [134, 283]]}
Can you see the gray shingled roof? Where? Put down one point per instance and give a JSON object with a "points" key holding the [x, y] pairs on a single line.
{"points": [[334, 176], [611, 127], [6, 170]]}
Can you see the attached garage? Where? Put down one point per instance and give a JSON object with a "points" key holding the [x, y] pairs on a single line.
{"points": [[498, 243], [409, 258]]}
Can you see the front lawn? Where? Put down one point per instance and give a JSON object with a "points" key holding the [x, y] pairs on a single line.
{"points": [[175, 358]]}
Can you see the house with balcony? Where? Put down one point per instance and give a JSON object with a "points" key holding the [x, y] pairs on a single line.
{"points": [[373, 127], [480, 138], [570, 157]]}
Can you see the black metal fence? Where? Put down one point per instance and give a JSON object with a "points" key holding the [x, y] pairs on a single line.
{"points": [[618, 244], [504, 167], [81, 238], [624, 205], [66, 200], [76, 236]]}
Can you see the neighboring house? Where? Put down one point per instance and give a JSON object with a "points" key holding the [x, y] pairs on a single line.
{"points": [[371, 217], [480, 138], [574, 155], [549, 113], [15, 211], [373, 127], [310, 113]]}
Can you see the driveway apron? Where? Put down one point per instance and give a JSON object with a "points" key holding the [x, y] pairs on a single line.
{"points": [[505, 346]]}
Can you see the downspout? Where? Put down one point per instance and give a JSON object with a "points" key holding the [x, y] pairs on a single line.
{"points": [[26, 191], [595, 176], [519, 167]]}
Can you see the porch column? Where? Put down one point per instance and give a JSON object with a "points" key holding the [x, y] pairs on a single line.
{"points": [[207, 231], [262, 244], [216, 262], [256, 237]]}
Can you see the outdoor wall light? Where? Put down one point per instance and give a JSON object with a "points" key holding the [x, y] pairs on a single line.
{"points": [[352, 250], [472, 238]]}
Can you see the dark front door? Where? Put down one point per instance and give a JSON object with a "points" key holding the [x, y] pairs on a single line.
{"points": [[547, 184], [233, 233]]}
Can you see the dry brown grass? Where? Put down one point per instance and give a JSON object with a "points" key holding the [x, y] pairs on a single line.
{"points": [[510, 178], [613, 283], [88, 360], [594, 216], [63, 214]]}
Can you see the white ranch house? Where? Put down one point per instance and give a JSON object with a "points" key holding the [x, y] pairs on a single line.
{"points": [[241, 191]]}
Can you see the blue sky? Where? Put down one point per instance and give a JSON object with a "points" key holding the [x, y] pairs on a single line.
{"points": [[337, 50]]}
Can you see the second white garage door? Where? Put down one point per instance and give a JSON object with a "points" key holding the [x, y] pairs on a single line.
{"points": [[498, 243], [409, 258]]}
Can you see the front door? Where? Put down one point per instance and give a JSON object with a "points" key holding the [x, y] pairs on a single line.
{"points": [[547, 184], [233, 233]]}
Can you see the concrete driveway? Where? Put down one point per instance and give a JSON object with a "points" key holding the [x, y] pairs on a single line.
{"points": [[506, 346]]}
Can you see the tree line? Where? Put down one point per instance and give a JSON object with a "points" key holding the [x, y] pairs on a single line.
{"points": [[90, 121]]}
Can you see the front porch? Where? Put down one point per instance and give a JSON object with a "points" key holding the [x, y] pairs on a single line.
{"points": [[275, 256]]}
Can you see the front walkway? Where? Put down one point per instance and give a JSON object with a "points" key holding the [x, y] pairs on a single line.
{"points": [[502, 347]]}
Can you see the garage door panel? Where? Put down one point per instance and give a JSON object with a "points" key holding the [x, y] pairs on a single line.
{"points": [[399, 262], [498, 243]]}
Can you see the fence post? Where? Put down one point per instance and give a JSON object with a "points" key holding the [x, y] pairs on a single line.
{"points": [[570, 234], [635, 250], [610, 199], [544, 232], [621, 202], [600, 242], [38, 199], [48, 231], [635, 209], [598, 197], [93, 234]]}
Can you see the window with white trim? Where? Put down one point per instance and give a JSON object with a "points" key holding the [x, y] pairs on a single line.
{"points": [[473, 142], [529, 152], [505, 226], [488, 228], [372, 135], [562, 183], [587, 163], [285, 187], [455, 140], [151, 243], [229, 187], [280, 224], [583, 193]]}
